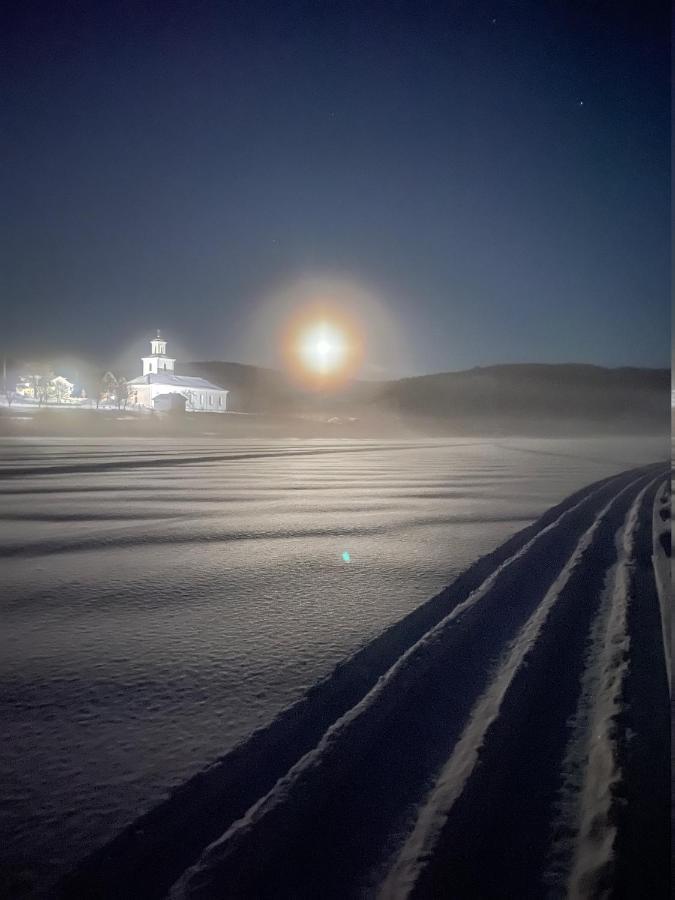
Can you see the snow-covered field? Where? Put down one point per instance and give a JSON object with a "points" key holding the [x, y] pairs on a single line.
{"points": [[161, 602]]}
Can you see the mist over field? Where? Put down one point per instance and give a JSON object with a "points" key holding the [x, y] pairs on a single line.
{"points": [[529, 400]]}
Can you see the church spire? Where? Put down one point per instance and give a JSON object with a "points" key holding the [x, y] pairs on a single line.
{"points": [[157, 345], [157, 362]]}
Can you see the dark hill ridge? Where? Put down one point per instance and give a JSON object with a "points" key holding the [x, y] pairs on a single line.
{"points": [[539, 392], [252, 388], [522, 397]]}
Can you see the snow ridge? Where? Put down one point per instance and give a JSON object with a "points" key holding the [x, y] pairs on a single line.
{"points": [[590, 770], [433, 815]]}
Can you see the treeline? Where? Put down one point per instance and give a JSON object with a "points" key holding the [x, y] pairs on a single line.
{"points": [[46, 382]]}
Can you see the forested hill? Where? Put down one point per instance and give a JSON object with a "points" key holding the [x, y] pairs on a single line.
{"points": [[525, 397]]}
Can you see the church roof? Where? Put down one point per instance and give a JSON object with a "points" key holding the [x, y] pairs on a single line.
{"points": [[185, 381]]}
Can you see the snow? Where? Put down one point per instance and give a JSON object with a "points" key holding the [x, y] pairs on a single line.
{"points": [[161, 603], [482, 701]]}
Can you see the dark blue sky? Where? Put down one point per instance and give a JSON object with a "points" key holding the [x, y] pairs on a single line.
{"points": [[498, 173]]}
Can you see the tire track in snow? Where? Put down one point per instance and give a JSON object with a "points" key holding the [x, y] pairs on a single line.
{"points": [[150, 853], [316, 803], [584, 834], [593, 845], [642, 847], [507, 850], [459, 768], [308, 827], [661, 557]]}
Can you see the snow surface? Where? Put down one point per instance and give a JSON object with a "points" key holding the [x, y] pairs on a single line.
{"points": [[482, 704], [159, 603]]}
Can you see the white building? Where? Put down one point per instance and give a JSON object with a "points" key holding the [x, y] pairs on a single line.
{"points": [[41, 387], [158, 378], [60, 388]]}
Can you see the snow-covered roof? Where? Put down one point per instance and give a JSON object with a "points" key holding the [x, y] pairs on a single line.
{"points": [[185, 381], [170, 396]]}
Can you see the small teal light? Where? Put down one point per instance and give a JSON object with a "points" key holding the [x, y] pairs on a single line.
{"points": [[345, 555]]}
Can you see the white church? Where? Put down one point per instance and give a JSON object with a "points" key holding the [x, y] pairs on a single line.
{"points": [[158, 380]]}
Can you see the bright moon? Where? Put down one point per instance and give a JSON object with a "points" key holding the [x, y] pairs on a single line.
{"points": [[323, 348]]}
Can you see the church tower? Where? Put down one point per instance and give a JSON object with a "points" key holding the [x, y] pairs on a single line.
{"points": [[158, 362]]}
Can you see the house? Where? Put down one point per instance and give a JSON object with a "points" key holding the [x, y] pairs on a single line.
{"points": [[60, 389], [159, 378], [44, 387]]}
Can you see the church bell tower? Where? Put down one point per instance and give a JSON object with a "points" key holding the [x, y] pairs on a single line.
{"points": [[158, 363]]}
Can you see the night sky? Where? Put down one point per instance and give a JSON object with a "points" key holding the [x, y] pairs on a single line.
{"points": [[496, 173]]}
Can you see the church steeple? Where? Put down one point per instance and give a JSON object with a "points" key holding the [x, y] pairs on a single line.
{"points": [[158, 362], [158, 346]]}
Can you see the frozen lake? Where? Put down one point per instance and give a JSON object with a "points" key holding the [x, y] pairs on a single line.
{"points": [[159, 603]]}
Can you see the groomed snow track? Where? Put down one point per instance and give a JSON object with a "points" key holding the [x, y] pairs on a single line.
{"points": [[510, 738]]}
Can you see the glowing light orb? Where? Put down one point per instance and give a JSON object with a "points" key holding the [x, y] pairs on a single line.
{"points": [[345, 556], [322, 345], [323, 348]]}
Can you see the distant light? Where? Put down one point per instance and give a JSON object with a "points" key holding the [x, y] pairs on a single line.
{"points": [[345, 555], [323, 348]]}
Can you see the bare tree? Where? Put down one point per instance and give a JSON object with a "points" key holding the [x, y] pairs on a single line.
{"points": [[107, 388], [121, 393], [39, 377], [46, 383], [33, 379], [99, 391]]}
